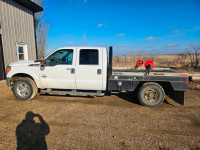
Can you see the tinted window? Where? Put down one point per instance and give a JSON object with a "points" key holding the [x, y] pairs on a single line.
{"points": [[89, 57], [20, 52], [61, 57], [20, 49]]}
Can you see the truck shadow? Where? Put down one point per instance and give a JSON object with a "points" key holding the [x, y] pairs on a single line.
{"points": [[133, 98], [127, 96], [194, 120], [30, 134], [130, 97], [82, 96]]}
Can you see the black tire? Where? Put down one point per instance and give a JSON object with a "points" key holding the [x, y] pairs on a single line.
{"points": [[24, 89], [151, 94], [35, 89]]}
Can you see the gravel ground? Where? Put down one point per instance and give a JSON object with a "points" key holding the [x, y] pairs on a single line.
{"points": [[110, 122]]}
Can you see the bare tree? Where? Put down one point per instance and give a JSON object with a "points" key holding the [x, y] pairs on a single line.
{"points": [[41, 29], [196, 51], [193, 53], [190, 56]]}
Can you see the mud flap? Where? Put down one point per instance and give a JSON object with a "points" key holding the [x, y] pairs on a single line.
{"points": [[177, 96]]}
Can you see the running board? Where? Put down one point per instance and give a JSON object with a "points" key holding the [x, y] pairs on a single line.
{"points": [[98, 93]]}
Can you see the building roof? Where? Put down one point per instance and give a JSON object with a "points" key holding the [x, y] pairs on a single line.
{"points": [[30, 5]]}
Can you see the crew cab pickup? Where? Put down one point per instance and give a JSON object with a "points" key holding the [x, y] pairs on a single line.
{"points": [[89, 71]]}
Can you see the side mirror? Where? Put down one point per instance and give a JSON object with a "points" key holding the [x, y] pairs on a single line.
{"points": [[42, 62]]}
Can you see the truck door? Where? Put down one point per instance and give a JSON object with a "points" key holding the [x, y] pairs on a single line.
{"points": [[89, 69], [59, 70]]}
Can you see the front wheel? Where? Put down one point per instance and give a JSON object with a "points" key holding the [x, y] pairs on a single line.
{"points": [[24, 89], [151, 94]]}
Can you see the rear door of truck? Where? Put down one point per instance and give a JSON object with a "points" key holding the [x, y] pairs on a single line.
{"points": [[89, 67]]}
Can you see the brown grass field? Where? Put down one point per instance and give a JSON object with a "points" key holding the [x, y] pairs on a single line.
{"points": [[163, 60]]}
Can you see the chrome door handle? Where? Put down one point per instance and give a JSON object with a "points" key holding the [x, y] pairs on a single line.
{"points": [[68, 69]]}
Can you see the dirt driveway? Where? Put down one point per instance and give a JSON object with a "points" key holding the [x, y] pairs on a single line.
{"points": [[116, 122]]}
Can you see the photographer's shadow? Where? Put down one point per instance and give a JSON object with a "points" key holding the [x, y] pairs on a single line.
{"points": [[31, 135]]}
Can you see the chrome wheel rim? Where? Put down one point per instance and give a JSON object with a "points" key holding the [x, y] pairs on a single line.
{"points": [[23, 90], [151, 95]]}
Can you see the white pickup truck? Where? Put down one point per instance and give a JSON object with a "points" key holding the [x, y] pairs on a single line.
{"points": [[89, 71]]}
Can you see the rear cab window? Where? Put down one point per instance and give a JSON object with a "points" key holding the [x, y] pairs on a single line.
{"points": [[89, 57]]}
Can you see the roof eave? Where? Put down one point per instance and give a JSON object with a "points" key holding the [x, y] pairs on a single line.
{"points": [[29, 5]]}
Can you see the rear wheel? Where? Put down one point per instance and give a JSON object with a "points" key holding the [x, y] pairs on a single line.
{"points": [[24, 89], [151, 94]]}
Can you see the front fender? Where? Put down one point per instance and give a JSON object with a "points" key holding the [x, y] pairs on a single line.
{"points": [[34, 73]]}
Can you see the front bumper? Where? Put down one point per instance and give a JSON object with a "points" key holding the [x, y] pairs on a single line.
{"points": [[8, 81]]}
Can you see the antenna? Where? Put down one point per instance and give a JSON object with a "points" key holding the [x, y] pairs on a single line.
{"points": [[84, 38]]}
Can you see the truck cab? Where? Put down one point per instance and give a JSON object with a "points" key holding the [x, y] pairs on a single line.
{"points": [[67, 68], [75, 68]]}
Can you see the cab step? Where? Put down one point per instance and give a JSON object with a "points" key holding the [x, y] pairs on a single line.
{"points": [[97, 93]]}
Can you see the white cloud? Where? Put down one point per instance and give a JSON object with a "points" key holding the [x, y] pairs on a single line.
{"points": [[194, 29], [157, 48], [171, 45], [121, 34], [71, 43], [149, 47], [150, 38], [121, 45], [100, 25], [197, 27], [176, 30], [172, 27]]}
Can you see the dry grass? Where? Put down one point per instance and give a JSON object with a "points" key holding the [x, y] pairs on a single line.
{"points": [[163, 60]]}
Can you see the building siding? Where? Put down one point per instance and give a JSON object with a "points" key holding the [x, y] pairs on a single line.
{"points": [[17, 25]]}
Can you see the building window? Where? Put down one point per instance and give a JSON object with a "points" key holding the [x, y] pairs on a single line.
{"points": [[89, 57], [22, 52]]}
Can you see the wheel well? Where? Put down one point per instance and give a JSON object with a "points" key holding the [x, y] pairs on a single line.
{"points": [[18, 76]]}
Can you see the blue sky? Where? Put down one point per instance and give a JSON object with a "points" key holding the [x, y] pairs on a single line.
{"points": [[130, 26]]}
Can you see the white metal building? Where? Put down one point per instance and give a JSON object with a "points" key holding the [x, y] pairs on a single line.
{"points": [[17, 33]]}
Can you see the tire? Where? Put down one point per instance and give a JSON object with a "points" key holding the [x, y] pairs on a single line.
{"points": [[25, 89], [35, 89], [151, 94]]}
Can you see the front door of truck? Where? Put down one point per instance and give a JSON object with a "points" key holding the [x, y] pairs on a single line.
{"points": [[89, 69], [59, 70]]}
